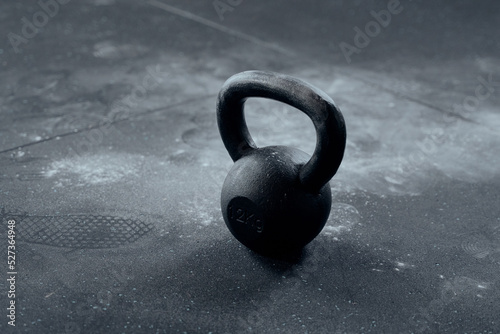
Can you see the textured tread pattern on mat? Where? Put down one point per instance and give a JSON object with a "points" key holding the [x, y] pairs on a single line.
{"points": [[79, 231]]}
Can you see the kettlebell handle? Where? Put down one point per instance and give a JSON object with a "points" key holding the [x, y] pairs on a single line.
{"points": [[317, 105]]}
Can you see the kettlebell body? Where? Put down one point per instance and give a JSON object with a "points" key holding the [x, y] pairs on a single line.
{"points": [[266, 207], [276, 199]]}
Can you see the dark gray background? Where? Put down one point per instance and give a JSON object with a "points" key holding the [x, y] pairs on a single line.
{"points": [[119, 227]]}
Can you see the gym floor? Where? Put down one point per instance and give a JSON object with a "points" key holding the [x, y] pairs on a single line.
{"points": [[112, 166]]}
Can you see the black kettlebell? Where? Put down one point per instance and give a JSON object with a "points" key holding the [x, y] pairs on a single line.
{"points": [[276, 199]]}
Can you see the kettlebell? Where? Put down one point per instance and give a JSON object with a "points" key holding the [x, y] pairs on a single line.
{"points": [[276, 199]]}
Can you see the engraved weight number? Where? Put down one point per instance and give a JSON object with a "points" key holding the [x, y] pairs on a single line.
{"points": [[243, 216]]}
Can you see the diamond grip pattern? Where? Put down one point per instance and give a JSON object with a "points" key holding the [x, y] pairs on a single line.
{"points": [[79, 231]]}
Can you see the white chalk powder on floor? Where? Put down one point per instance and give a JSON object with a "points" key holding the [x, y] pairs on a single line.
{"points": [[96, 169]]}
